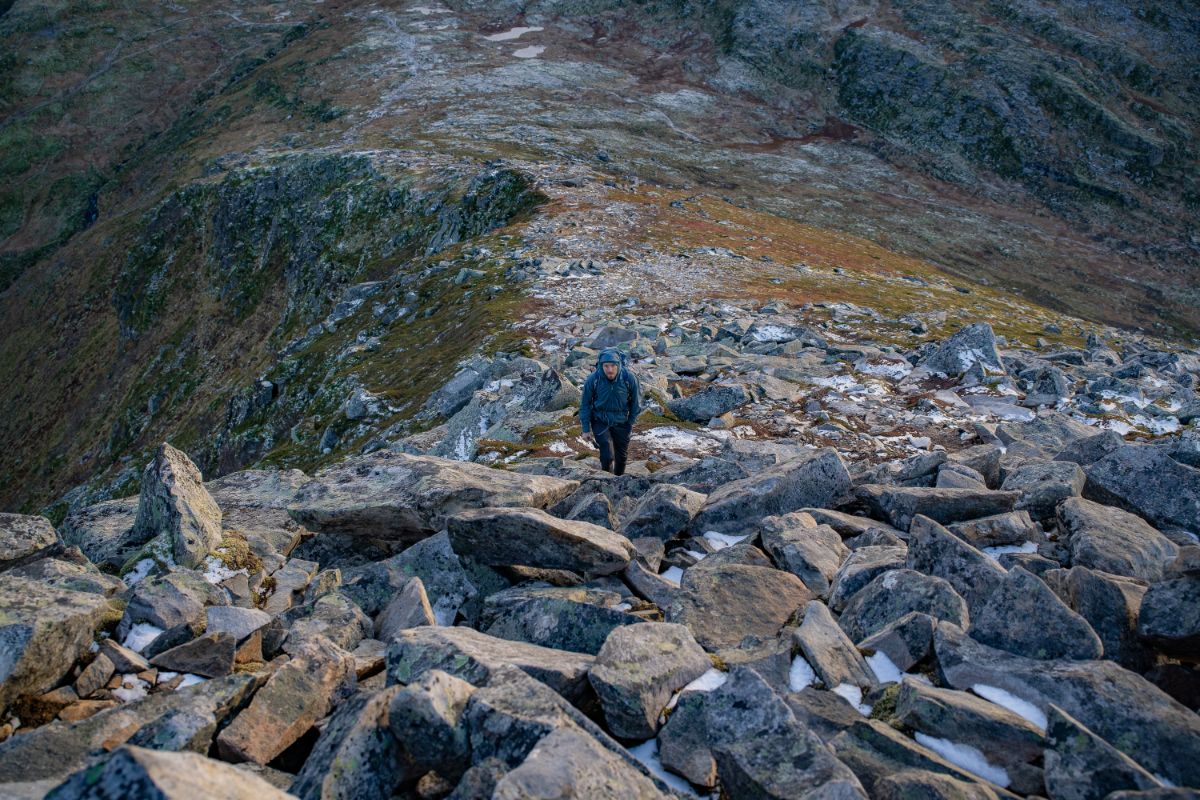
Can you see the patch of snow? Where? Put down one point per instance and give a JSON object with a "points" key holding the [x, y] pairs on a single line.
{"points": [[1000, 549], [884, 668], [189, 680], [622, 607], [140, 636], [215, 570], [887, 369], [672, 574], [131, 689], [1022, 708], [722, 540], [533, 51], [672, 438], [163, 677], [966, 757], [140, 570], [647, 753], [696, 554], [801, 674], [512, 33], [772, 333], [853, 695], [713, 679], [560, 447]]}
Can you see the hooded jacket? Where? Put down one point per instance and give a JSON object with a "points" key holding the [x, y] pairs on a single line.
{"points": [[606, 403]]}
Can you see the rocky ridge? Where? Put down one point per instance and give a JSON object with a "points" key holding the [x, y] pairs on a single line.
{"points": [[958, 568]]}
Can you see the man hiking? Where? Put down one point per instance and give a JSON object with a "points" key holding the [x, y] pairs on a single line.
{"points": [[609, 405]]}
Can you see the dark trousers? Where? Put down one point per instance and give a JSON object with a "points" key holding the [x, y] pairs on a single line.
{"points": [[613, 442]]}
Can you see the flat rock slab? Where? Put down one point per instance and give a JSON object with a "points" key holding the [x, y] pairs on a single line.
{"points": [[389, 495], [23, 536], [473, 656], [138, 772], [817, 478], [562, 618], [1115, 541], [530, 537], [899, 505], [43, 630], [724, 605], [638, 669], [830, 652]]}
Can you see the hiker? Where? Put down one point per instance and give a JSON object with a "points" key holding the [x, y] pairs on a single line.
{"points": [[609, 405]]}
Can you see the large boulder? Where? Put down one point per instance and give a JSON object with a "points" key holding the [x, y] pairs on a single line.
{"points": [[296, 696], [860, 568], [899, 505], [1170, 616], [1024, 617], [1146, 480], [811, 552], [356, 756], [1043, 485], [1111, 540], [662, 512], [105, 531], [726, 604], [971, 345], [174, 503], [447, 584], [818, 478], [638, 669], [711, 401], [897, 593], [23, 537], [530, 537], [935, 551], [1080, 765], [1124, 708], [43, 630], [397, 496], [138, 772], [473, 656], [562, 618]]}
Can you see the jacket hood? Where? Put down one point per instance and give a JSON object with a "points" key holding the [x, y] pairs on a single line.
{"points": [[609, 357]]}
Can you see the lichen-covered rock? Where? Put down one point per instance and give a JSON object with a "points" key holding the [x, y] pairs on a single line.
{"points": [[1110, 604], [663, 512], [1147, 481], [22, 537], [1080, 765], [638, 669], [473, 656], [397, 496], [533, 538], [896, 593], [899, 505], [105, 531], [447, 583], [1024, 617], [43, 630], [1043, 485], [175, 503], [138, 772], [1169, 617], [811, 552], [563, 618], [829, 651], [973, 344], [712, 401], [297, 695], [569, 763], [1112, 540], [906, 641], [818, 478], [725, 605], [860, 568]]}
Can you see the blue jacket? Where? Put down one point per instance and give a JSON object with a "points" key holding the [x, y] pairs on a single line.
{"points": [[606, 403]]}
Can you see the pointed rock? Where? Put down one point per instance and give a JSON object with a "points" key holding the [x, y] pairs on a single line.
{"points": [[409, 608], [663, 512], [832, 655], [210, 655], [175, 503], [896, 593]]}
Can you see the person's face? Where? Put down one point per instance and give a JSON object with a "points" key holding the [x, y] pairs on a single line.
{"points": [[610, 370]]}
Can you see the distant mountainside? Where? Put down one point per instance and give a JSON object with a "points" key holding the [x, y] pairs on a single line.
{"points": [[222, 222]]}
